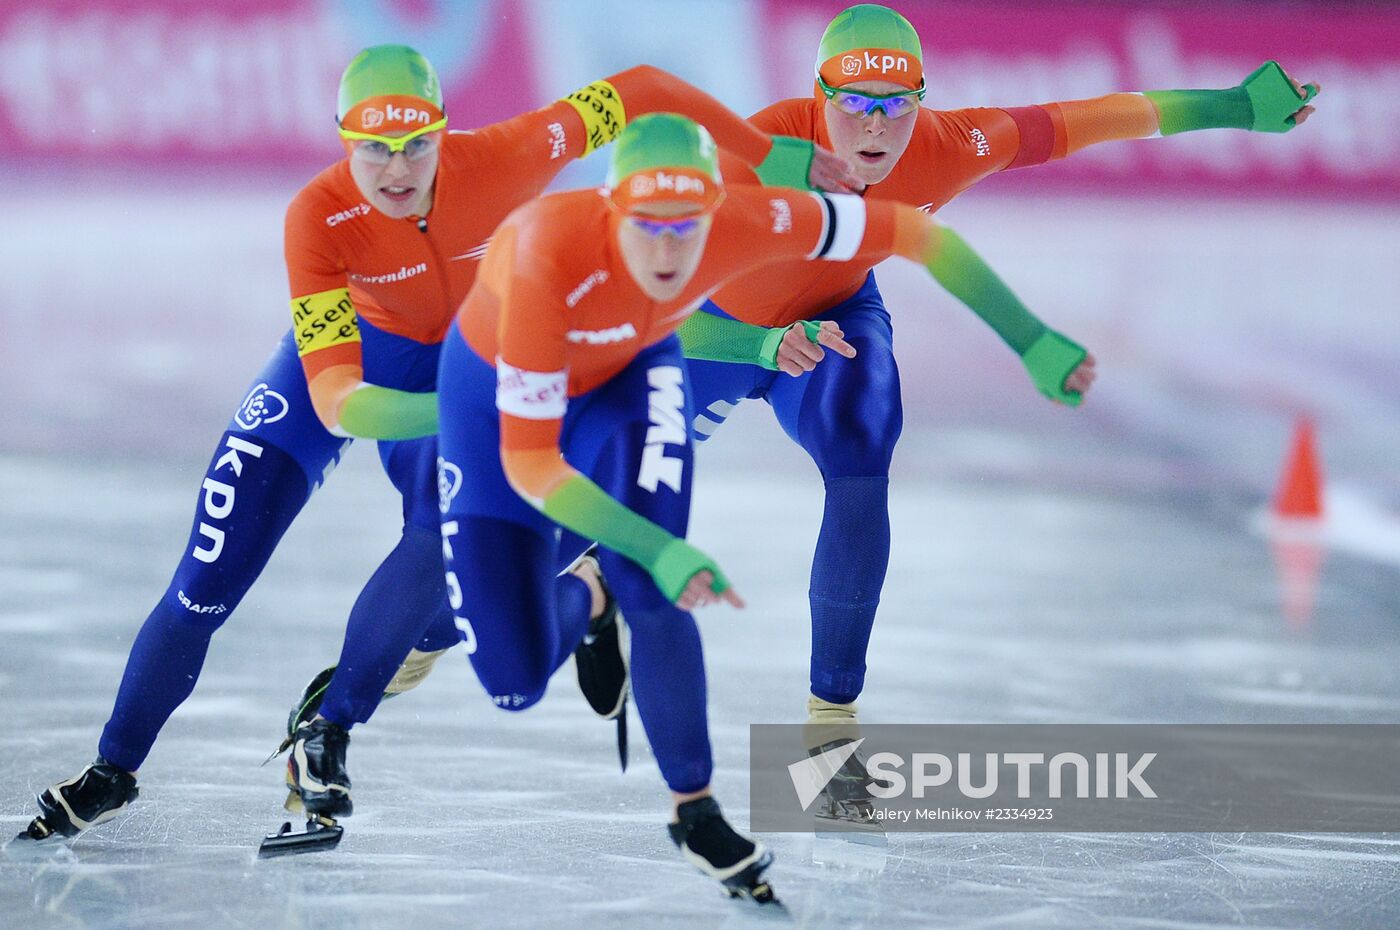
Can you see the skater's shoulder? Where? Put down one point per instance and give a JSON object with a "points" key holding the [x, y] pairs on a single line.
{"points": [[329, 199]]}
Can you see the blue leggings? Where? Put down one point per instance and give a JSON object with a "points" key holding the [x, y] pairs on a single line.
{"points": [[847, 415], [273, 455], [519, 620]]}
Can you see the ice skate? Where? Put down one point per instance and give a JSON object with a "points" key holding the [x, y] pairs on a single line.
{"points": [[708, 842], [601, 660], [319, 786], [411, 673], [845, 807], [98, 793]]}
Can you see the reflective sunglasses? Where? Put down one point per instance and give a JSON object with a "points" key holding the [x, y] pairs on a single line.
{"points": [[851, 103], [379, 150], [682, 227]]}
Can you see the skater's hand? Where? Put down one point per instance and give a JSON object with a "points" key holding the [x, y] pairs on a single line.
{"points": [[800, 350], [832, 173], [689, 578], [1279, 102], [1060, 368], [801, 163], [700, 592], [1302, 89], [1082, 378]]}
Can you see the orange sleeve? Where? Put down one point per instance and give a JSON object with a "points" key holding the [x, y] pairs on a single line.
{"points": [[969, 145], [735, 170], [532, 380], [759, 225], [646, 89], [324, 323], [786, 118], [1054, 130], [524, 153]]}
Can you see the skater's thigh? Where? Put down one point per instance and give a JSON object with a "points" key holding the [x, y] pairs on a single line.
{"points": [[276, 410], [412, 467], [716, 388], [630, 438], [499, 551], [847, 413]]}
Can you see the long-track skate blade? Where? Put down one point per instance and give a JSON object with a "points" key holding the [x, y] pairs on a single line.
{"points": [[38, 842], [316, 837], [760, 896]]}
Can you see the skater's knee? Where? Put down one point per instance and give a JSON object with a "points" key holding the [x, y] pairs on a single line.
{"points": [[192, 610], [510, 699], [512, 686], [854, 443]]}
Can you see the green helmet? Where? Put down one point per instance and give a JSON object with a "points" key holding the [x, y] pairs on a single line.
{"points": [[847, 52], [385, 70], [662, 140]]}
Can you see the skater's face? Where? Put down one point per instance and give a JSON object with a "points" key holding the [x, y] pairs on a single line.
{"points": [[873, 142], [396, 183], [662, 244]]}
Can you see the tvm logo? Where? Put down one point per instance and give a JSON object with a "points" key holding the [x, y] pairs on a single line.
{"points": [[666, 406]]}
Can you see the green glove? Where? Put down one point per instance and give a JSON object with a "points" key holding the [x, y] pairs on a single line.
{"points": [[1273, 98], [1050, 360], [787, 164], [677, 563], [768, 350]]}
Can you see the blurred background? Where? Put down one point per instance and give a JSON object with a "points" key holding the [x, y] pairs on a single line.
{"points": [[151, 147], [1110, 563]]}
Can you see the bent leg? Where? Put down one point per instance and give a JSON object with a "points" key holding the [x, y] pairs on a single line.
{"points": [[519, 621], [847, 414], [630, 437], [261, 475]]}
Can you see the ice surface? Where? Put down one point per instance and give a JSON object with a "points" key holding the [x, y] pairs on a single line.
{"points": [[1099, 565]]}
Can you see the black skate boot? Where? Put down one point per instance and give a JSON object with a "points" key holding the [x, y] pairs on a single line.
{"points": [[410, 675], [708, 842], [845, 805], [318, 785], [97, 793], [602, 660], [316, 770]]}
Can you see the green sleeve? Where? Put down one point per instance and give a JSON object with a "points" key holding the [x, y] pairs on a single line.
{"points": [[591, 512], [1049, 357], [1264, 102], [787, 164], [719, 339], [968, 278], [374, 412]]}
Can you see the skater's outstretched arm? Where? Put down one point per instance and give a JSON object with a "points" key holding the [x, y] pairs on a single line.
{"points": [[848, 228], [1268, 100], [789, 349], [994, 139], [1060, 368]]}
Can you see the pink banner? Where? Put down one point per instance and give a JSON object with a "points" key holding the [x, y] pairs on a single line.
{"points": [[245, 83], [1010, 54]]}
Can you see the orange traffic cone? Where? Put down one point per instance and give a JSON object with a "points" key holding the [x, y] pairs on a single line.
{"points": [[1299, 494]]}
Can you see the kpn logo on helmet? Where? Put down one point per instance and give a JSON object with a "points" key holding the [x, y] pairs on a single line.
{"points": [[873, 63], [645, 185]]}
